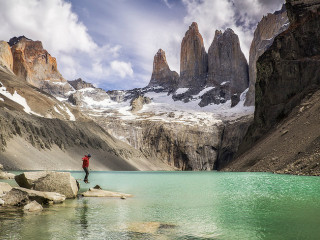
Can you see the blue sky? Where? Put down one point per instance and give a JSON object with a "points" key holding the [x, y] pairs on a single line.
{"points": [[112, 43]]}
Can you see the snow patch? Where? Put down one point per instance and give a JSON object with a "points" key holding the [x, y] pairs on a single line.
{"points": [[18, 99], [207, 89], [181, 90], [1, 99], [71, 116]]}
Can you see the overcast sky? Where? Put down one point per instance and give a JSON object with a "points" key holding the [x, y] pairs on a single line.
{"points": [[111, 43]]}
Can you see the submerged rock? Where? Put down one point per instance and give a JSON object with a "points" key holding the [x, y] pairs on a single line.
{"points": [[103, 193]]}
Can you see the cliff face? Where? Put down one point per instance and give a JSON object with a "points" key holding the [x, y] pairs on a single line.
{"points": [[193, 59], [6, 59], [161, 74], [268, 28], [227, 63], [80, 84], [33, 63], [287, 73]]}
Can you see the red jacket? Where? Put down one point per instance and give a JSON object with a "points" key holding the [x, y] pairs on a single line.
{"points": [[85, 160]]}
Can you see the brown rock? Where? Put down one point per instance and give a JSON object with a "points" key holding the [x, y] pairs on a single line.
{"points": [[33, 63], [268, 28], [6, 59], [161, 74], [34, 206], [226, 62], [193, 59]]}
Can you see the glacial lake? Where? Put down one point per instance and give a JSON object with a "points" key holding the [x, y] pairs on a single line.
{"points": [[179, 205]]}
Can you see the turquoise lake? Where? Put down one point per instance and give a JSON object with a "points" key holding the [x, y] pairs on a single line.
{"points": [[179, 205]]}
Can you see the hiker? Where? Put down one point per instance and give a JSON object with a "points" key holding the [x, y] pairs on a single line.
{"points": [[85, 166]]}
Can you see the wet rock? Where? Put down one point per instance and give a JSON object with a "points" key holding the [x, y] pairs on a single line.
{"points": [[21, 196], [34, 206], [103, 193]]}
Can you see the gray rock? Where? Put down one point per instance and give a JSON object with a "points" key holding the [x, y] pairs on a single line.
{"points": [[60, 182], [137, 103], [34, 206], [21, 196], [5, 175], [1, 202]]}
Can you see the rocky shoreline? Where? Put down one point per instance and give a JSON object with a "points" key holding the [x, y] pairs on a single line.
{"points": [[44, 188]]}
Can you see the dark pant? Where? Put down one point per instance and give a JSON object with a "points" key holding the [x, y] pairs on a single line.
{"points": [[87, 173]]}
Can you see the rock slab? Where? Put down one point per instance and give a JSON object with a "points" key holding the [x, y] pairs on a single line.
{"points": [[103, 193]]}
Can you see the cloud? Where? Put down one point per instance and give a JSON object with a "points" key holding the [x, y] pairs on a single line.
{"points": [[122, 69]]}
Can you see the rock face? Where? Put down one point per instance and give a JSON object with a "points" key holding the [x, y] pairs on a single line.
{"points": [[161, 74], [33, 63], [268, 28], [193, 59], [287, 72], [6, 59], [61, 182], [226, 63]]}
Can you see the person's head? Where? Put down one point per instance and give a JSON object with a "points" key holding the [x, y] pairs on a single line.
{"points": [[89, 155]]}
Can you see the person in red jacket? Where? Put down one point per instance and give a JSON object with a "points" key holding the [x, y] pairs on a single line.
{"points": [[85, 166]]}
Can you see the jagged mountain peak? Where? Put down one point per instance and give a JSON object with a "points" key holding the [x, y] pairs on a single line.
{"points": [[15, 40]]}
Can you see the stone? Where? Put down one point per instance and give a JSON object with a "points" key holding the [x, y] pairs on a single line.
{"points": [[227, 63], [161, 74], [1, 202], [193, 59], [33, 63], [6, 59], [103, 193], [4, 188], [267, 29], [34, 206], [21, 196], [1, 167], [60, 182]]}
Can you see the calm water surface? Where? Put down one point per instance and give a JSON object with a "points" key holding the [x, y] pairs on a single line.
{"points": [[179, 205]]}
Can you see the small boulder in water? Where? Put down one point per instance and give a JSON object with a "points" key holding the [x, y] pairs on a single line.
{"points": [[34, 206]]}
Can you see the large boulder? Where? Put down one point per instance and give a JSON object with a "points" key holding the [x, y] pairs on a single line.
{"points": [[60, 182], [21, 196]]}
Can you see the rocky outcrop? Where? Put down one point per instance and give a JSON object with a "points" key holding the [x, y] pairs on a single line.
{"points": [[268, 28], [162, 75], [193, 59], [287, 129], [60, 182], [227, 64], [33, 63], [79, 84], [6, 59], [137, 103]]}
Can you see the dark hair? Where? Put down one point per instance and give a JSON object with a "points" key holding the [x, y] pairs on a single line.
{"points": [[89, 155]]}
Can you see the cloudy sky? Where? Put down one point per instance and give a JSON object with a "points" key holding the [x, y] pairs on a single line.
{"points": [[111, 43]]}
